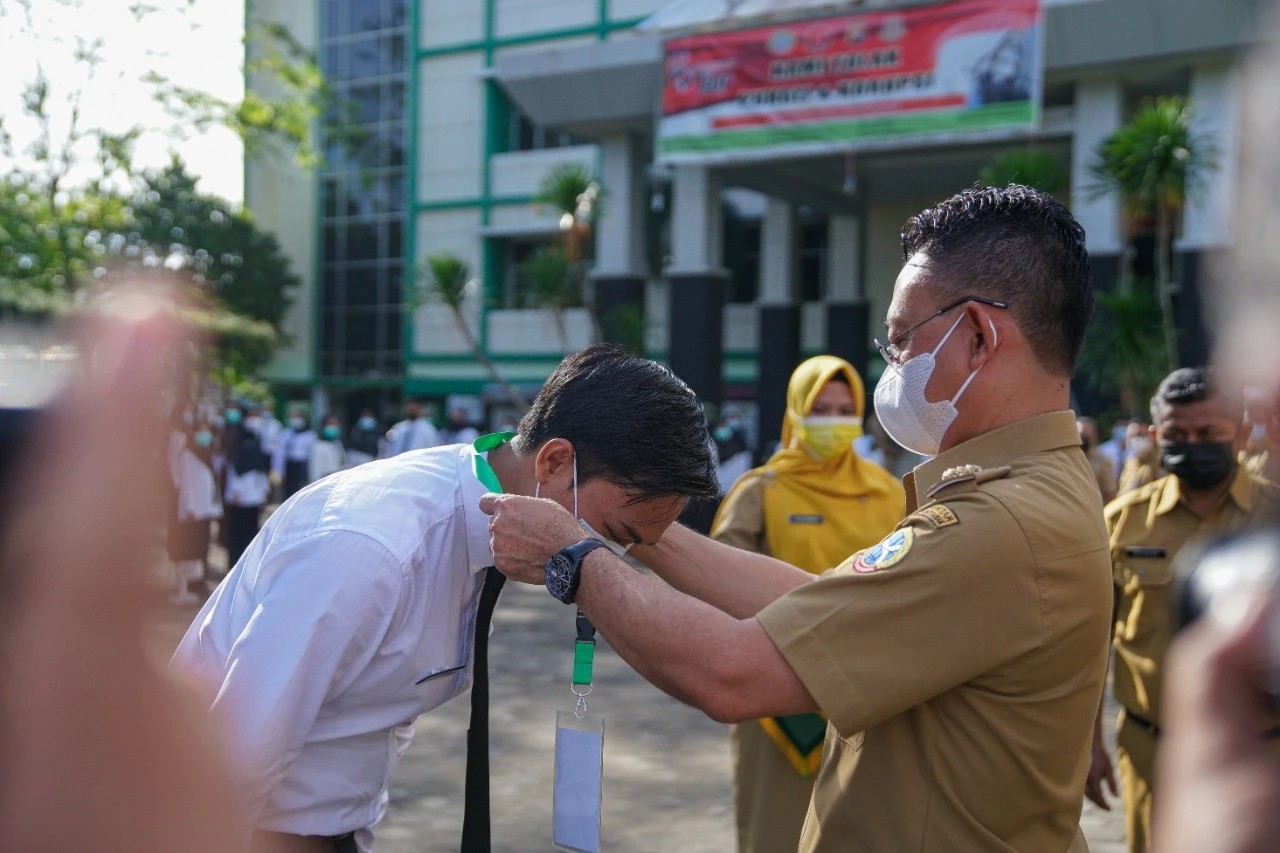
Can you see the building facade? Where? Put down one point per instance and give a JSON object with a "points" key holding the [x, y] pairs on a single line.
{"points": [[738, 268]]}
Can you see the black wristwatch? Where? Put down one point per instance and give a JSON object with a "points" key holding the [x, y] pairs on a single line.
{"points": [[564, 569]]}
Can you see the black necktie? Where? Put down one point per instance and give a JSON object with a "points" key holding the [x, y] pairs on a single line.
{"points": [[475, 820]]}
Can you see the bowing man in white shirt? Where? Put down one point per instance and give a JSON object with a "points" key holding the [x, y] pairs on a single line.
{"points": [[291, 461], [354, 611], [415, 432]]}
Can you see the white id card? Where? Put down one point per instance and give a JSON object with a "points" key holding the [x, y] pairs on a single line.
{"points": [[579, 775]]}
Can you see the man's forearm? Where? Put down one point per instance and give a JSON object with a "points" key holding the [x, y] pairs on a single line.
{"points": [[738, 582], [725, 666]]}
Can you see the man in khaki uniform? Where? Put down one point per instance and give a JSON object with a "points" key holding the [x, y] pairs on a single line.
{"points": [[961, 660], [1199, 434], [1104, 470]]}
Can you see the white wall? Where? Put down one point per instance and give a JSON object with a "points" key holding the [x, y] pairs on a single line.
{"points": [[520, 17], [446, 22], [621, 10], [284, 200], [520, 172], [536, 331], [884, 254], [453, 231], [450, 127]]}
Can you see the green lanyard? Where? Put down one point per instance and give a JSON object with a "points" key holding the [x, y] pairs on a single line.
{"points": [[480, 466], [584, 647]]}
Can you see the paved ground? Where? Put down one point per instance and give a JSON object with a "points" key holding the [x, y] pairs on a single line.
{"points": [[667, 784]]}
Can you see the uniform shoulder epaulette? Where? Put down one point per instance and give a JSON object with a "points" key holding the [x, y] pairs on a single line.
{"points": [[970, 476], [1133, 497]]}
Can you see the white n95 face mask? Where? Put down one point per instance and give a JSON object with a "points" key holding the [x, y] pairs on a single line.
{"points": [[901, 407]]}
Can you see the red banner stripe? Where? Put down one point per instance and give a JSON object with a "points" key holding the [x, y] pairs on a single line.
{"points": [[848, 111]]}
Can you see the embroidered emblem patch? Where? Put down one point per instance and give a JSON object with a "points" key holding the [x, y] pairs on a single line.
{"points": [[888, 553], [940, 515]]}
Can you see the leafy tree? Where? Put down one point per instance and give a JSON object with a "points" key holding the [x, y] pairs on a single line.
{"points": [[571, 191], [244, 267], [1154, 162], [1123, 352]]}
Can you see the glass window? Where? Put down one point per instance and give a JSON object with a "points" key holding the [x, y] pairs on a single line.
{"points": [[332, 285], [393, 98], [331, 202], [813, 258], [332, 243], [362, 286], [367, 15], [393, 53], [332, 18], [362, 242], [395, 246], [393, 13], [362, 329], [364, 59], [395, 288], [336, 57]]}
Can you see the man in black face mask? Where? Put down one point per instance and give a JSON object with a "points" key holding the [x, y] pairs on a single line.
{"points": [[1199, 433]]}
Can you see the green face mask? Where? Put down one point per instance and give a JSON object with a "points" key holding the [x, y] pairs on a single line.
{"points": [[234, 416], [827, 438], [331, 433]]}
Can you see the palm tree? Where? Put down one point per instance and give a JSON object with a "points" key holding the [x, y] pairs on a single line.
{"points": [[1032, 167], [548, 280], [571, 191], [1123, 348], [1154, 162], [448, 279]]}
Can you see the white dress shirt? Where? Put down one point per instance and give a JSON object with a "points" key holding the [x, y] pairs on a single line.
{"points": [[293, 446], [198, 498], [417, 434], [326, 458], [351, 614]]}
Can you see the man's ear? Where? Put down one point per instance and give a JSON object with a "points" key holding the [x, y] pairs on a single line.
{"points": [[554, 460], [987, 340]]}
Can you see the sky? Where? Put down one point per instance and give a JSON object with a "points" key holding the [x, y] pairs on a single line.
{"points": [[195, 43]]}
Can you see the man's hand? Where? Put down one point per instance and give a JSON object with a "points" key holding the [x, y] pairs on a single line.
{"points": [[1101, 774], [525, 532]]}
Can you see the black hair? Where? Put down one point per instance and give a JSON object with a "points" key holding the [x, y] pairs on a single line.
{"points": [[1192, 385], [631, 421], [1017, 245]]}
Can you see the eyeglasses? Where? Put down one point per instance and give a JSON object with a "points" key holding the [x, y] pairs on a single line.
{"points": [[892, 355]]}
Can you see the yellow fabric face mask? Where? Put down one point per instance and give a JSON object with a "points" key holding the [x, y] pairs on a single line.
{"points": [[828, 437]]}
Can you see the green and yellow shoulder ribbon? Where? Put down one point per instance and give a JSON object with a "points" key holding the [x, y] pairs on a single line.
{"points": [[800, 738]]}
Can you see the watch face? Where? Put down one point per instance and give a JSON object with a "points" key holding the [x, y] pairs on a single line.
{"points": [[559, 576]]}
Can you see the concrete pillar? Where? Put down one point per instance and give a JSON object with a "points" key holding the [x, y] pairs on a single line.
{"points": [[697, 282], [848, 311], [779, 315], [620, 274], [1097, 115], [1207, 220], [1215, 105]]}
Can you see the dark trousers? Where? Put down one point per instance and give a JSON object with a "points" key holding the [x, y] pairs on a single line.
{"points": [[242, 523], [296, 473]]}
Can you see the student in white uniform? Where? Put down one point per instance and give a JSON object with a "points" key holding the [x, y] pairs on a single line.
{"points": [[198, 505], [291, 461], [415, 432], [327, 454], [362, 441], [246, 491], [353, 612]]}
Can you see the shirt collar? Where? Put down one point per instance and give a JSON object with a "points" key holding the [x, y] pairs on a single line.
{"points": [[478, 480], [995, 448], [1241, 492]]}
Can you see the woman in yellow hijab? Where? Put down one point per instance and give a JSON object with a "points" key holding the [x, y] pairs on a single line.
{"points": [[813, 504]]}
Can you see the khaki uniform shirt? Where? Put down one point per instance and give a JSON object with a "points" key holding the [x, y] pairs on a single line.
{"points": [[1148, 528], [961, 660]]}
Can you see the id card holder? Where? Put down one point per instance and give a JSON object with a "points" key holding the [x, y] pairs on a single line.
{"points": [[579, 777]]}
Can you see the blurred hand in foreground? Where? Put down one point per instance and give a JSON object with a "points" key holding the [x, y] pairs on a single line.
{"points": [[102, 751], [1219, 781]]}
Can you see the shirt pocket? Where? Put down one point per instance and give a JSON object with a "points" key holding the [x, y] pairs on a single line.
{"points": [[1146, 584]]}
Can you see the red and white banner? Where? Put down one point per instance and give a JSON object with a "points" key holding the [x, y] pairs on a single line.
{"points": [[948, 67]]}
